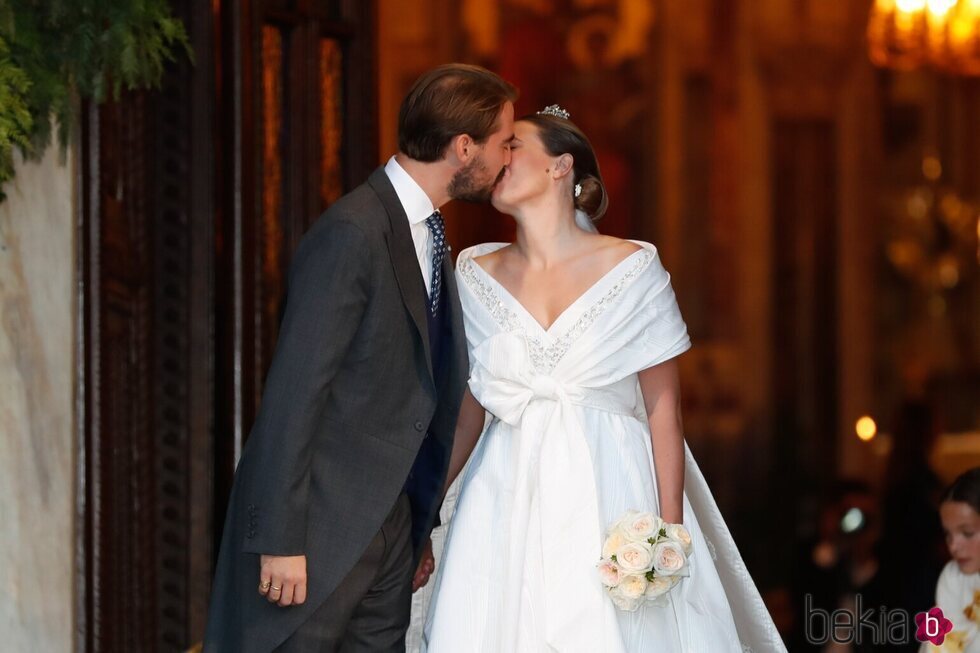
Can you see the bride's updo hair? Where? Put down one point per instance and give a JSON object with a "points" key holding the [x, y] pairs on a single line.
{"points": [[561, 136]]}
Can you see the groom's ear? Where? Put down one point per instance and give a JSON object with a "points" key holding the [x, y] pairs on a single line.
{"points": [[462, 148], [564, 165]]}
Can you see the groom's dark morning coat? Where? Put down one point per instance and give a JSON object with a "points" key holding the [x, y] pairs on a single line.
{"points": [[349, 399]]}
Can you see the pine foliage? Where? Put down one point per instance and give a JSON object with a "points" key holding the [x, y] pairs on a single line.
{"points": [[54, 53]]}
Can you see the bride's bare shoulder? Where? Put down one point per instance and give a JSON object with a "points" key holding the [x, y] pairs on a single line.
{"points": [[616, 248], [491, 260]]}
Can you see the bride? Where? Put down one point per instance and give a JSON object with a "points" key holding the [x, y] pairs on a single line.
{"points": [[573, 338]]}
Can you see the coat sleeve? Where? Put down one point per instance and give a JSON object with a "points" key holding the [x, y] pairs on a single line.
{"points": [[328, 290]]}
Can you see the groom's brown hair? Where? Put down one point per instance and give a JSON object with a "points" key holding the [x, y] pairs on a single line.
{"points": [[447, 101]]}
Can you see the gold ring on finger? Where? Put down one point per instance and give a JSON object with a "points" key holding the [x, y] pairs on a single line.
{"points": [[276, 589]]}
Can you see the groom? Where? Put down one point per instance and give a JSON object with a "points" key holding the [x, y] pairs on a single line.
{"points": [[339, 484]]}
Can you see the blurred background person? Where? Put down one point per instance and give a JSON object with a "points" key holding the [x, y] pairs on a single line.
{"points": [[958, 589]]}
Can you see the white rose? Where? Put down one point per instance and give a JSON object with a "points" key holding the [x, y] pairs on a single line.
{"points": [[657, 589], [626, 520], [643, 526], [622, 602], [634, 556], [613, 543], [659, 586], [679, 534], [669, 559], [633, 586], [609, 574]]}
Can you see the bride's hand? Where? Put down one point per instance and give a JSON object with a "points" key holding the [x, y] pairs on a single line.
{"points": [[427, 565]]}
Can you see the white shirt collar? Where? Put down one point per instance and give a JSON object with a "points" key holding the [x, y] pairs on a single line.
{"points": [[416, 203]]}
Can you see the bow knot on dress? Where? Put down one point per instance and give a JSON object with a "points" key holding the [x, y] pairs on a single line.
{"points": [[545, 387]]}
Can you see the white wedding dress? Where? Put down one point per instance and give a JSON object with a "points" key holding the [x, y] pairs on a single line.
{"points": [[566, 453]]}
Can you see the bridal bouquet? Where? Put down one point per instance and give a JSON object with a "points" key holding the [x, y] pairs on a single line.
{"points": [[643, 557]]}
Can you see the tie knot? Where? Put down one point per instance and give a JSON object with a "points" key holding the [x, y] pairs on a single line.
{"points": [[435, 223]]}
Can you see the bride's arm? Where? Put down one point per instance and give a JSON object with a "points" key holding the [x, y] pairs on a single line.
{"points": [[660, 385], [468, 429]]}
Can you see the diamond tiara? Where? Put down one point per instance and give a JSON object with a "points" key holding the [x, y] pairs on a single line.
{"points": [[556, 111]]}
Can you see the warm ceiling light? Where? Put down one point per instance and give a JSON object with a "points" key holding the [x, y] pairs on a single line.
{"points": [[939, 8], [909, 6], [906, 34], [866, 428]]}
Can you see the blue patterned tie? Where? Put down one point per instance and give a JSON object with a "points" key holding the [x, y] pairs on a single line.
{"points": [[438, 230]]}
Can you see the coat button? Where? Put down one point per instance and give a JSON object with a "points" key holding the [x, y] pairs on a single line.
{"points": [[419, 426]]}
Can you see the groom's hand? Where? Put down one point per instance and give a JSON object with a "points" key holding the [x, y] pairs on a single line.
{"points": [[282, 579], [427, 565]]}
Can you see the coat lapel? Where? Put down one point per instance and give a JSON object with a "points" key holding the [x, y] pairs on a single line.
{"points": [[401, 249]]}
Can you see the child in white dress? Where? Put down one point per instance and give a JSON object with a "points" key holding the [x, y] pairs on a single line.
{"points": [[958, 589]]}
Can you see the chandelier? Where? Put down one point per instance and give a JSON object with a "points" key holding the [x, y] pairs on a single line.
{"points": [[933, 234], [941, 34]]}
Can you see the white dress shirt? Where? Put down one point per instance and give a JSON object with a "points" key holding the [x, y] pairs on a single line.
{"points": [[417, 207]]}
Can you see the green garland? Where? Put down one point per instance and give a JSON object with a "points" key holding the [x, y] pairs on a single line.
{"points": [[55, 52]]}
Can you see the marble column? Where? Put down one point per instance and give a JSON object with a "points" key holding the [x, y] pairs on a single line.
{"points": [[37, 488]]}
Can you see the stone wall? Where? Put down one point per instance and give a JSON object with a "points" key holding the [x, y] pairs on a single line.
{"points": [[37, 444]]}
